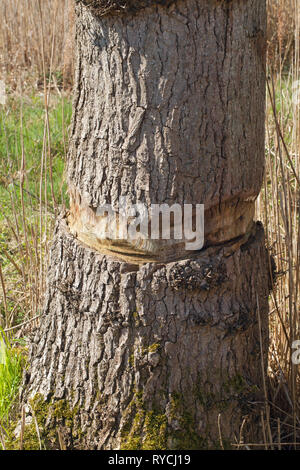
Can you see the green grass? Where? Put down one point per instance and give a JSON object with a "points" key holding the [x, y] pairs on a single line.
{"points": [[22, 124], [23, 137], [12, 362], [25, 225]]}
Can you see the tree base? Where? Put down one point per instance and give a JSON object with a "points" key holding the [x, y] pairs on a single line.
{"points": [[154, 356]]}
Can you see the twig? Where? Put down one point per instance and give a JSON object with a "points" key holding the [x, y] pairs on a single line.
{"points": [[22, 324], [220, 432], [23, 422]]}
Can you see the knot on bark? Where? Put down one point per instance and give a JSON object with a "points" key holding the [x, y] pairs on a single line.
{"points": [[106, 7], [193, 276]]}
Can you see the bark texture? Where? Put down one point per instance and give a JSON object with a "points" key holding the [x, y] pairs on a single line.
{"points": [[168, 108], [149, 357], [109, 7]]}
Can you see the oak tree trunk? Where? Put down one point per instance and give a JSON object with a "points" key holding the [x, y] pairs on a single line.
{"points": [[145, 345]]}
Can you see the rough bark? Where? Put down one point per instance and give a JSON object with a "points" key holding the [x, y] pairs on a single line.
{"points": [[168, 108], [150, 357]]}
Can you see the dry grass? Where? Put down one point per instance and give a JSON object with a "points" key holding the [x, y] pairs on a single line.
{"points": [[36, 65], [279, 208], [36, 36], [35, 41], [281, 32]]}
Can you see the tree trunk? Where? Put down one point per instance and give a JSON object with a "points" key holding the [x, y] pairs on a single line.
{"points": [[142, 344]]}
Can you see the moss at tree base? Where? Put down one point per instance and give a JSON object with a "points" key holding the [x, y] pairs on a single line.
{"points": [[51, 421]]}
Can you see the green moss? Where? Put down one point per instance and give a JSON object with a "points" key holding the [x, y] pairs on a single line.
{"points": [[141, 351], [63, 412], [153, 347], [178, 429], [206, 399], [150, 349], [131, 360], [155, 431], [144, 430], [149, 430], [30, 439], [186, 437], [136, 319], [236, 384], [235, 387], [49, 416]]}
